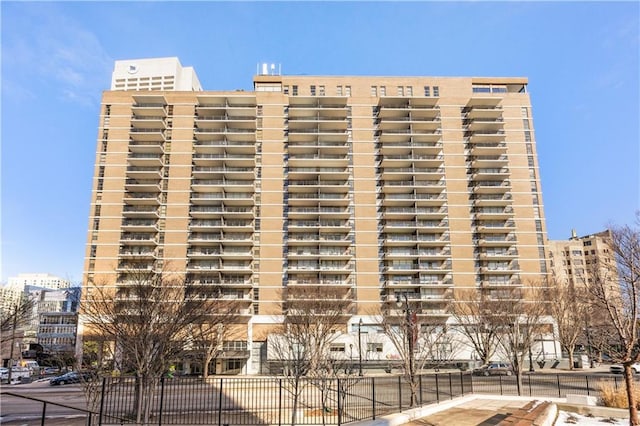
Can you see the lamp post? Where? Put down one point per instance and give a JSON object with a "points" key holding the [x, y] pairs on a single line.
{"points": [[409, 336], [360, 347]]}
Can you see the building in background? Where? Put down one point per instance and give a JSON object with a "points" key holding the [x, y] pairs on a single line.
{"points": [[38, 280], [381, 188], [52, 328], [154, 74], [573, 261]]}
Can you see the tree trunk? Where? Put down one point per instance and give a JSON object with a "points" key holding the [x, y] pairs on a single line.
{"points": [[633, 404], [570, 358]]}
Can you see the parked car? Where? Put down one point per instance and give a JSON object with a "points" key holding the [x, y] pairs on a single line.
{"points": [[619, 369], [17, 374], [68, 378], [494, 369], [51, 370]]}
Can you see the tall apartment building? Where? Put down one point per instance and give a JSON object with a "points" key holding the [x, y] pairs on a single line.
{"points": [[572, 261], [376, 187]]}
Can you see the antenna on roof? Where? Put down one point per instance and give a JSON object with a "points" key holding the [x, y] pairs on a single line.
{"points": [[266, 68]]}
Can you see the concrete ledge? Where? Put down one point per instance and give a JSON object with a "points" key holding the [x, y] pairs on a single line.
{"points": [[581, 399], [596, 411], [415, 413], [535, 413]]}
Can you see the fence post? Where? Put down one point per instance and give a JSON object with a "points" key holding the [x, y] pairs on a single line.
{"points": [[530, 393], [220, 405], [450, 387], [44, 410], [104, 379], [339, 401], [558, 379], [471, 381], [373, 397], [160, 407], [587, 378], [437, 390], [279, 402], [420, 383], [500, 377], [461, 385], [399, 394]]}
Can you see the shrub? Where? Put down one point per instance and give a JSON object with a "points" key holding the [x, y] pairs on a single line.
{"points": [[617, 398]]}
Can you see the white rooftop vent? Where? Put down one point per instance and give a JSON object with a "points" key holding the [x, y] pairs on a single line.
{"points": [[267, 68]]}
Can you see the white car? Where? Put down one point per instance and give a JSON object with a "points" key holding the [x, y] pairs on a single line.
{"points": [[619, 369], [17, 373]]}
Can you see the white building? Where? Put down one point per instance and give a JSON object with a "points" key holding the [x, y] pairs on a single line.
{"points": [[154, 74], [37, 280]]}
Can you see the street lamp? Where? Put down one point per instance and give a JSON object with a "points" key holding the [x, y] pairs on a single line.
{"points": [[409, 333], [360, 347]]}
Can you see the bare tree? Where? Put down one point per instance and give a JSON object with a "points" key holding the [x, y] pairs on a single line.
{"points": [[615, 291], [145, 319], [414, 337], [474, 316], [522, 319], [569, 310], [314, 317], [17, 316]]}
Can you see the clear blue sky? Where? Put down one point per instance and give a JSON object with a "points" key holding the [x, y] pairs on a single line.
{"points": [[581, 59]]}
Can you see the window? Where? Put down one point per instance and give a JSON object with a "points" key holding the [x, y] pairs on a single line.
{"points": [[339, 90], [400, 91], [321, 89], [347, 90], [374, 347], [436, 91], [383, 91], [409, 91], [313, 90], [285, 89], [427, 91], [336, 347], [295, 90], [374, 91]]}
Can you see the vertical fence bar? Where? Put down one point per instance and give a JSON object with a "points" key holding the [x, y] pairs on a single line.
{"points": [[420, 383], [461, 384], [558, 380], [450, 387], [437, 390], [529, 377], [399, 394], [587, 379], [340, 407], [104, 380], [471, 381], [44, 411], [279, 402], [373, 398], [220, 405], [500, 377], [160, 408]]}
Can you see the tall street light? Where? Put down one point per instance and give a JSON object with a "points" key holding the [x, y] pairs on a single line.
{"points": [[409, 333], [360, 346]]}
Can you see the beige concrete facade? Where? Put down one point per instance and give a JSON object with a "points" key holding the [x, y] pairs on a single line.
{"points": [[376, 187], [573, 261]]}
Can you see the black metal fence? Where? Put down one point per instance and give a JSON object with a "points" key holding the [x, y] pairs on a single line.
{"points": [[271, 401]]}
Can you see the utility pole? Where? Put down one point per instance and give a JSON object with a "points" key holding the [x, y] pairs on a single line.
{"points": [[14, 325]]}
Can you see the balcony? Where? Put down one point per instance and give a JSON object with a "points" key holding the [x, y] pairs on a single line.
{"points": [[140, 211], [143, 225], [491, 187], [486, 136], [143, 159], [138, 238], [151, 106], [489, 161], [145, 172], [150, 147], [141, 198], [147, 134]]}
